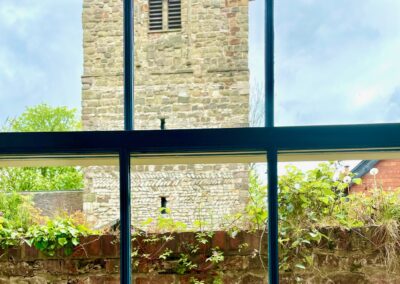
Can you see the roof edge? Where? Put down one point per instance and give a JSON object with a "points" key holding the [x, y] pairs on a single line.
{"points": [[364, 167]]}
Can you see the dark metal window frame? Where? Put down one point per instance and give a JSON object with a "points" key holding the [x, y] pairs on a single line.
{"points": [[270, 140]]}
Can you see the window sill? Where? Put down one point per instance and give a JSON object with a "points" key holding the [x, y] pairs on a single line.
{"points": [[165, 31]]}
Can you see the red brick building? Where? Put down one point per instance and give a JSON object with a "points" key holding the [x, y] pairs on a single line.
{"points": [[388, 176]]}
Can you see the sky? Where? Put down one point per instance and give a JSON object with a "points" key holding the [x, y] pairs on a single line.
{"points": [[40, 54], [336, 61]]}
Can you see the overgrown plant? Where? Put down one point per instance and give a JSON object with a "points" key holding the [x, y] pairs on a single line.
{"points": [[313, 200], [17, 211], [20, 221], [60, 233]]}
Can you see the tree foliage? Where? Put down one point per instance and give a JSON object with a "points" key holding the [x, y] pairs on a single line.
{"points": [[42, 118]]}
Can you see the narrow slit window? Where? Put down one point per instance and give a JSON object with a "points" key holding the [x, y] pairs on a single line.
{"points": [[162, 123], [164, 205]]}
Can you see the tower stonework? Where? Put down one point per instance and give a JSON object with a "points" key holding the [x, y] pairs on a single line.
{"points": [[194, 76]]}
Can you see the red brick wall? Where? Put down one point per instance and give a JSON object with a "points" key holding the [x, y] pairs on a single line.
{"points": [[97, 261], [388, 177], [353, 259]]}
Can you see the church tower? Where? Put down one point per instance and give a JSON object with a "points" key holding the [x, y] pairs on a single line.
{"points": [[191, 71]]}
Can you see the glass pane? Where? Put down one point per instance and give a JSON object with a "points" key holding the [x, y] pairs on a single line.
{"points": [[336, 62], [193, 219], [339, 212], [192, 63], [60, 61], [102, 80], [257, 62], [196, 65], [60, 214]]}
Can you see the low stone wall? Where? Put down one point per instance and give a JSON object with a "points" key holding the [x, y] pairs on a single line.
{"points": [[96, 260], [51, 203]]}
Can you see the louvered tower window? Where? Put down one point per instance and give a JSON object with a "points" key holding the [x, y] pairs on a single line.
{"points": [[174, 14], [164, 14], [155, 15]]}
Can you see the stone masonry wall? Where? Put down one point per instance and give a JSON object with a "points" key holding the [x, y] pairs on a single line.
{"points": [[195, 77], [51, 203]]}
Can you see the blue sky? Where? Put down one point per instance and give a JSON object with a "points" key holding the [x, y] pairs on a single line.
{"points": [[337, 61]]}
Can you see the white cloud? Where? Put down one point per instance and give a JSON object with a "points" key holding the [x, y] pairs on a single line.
{"points": [[40, 54], [336, 61]]}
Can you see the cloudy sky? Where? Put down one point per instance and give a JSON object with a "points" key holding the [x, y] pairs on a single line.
{"points": [[40, 54], [337, 61]]}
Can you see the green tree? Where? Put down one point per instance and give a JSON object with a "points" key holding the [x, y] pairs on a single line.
{"points": [[42, 118]]}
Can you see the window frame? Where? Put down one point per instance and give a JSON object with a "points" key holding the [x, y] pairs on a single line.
{"points": [[270, 141]]}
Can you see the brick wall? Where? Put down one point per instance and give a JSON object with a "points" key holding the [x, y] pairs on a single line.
{"points": [[388, 177], [354, 257], [96, 260]]}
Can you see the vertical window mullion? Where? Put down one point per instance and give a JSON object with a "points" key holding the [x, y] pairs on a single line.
{"points": [[125, 216], [273, 249], [164, 14], [124, 154], [272, 154], [269, 64]]}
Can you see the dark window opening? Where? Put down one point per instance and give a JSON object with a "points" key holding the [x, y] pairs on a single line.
{"points": [[174, 14], [155, 15], [162, 123], [164, 205]]}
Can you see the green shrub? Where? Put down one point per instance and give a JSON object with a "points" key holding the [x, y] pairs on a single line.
{"points": [[316, 199], [56, 234], [16, 211]]}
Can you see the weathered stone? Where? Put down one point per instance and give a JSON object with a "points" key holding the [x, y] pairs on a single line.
{"points": [[195, 77]]}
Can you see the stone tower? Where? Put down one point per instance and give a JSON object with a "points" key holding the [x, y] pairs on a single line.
{"points": [[191, 71]]}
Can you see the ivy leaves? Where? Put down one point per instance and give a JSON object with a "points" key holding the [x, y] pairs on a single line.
{"points": [[56, 234]]}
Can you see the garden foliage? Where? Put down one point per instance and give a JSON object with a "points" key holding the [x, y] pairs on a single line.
{"points": [[309, 202]]}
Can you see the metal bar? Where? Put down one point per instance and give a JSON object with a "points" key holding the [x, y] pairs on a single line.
{"points": [[272, 153], [346, 137], [269, 63], [125, 168], [273, 249], [125, 216], [128, 65]]}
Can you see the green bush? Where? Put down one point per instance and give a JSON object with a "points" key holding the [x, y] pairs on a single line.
{"points": [[20, 221], [313, 200], [16, 215], [16, 211], [56, 234]]}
